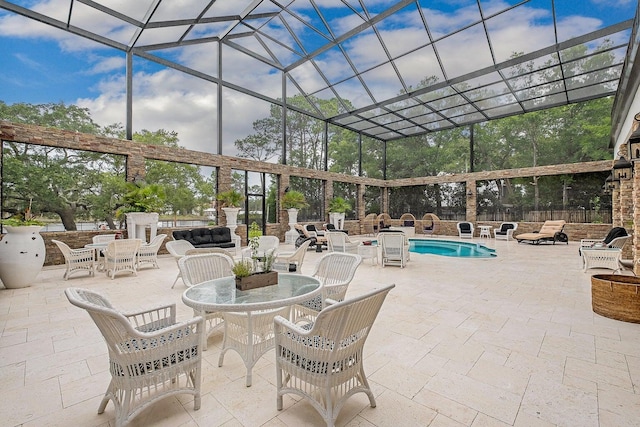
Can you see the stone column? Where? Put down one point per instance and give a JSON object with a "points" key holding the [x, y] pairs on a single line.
{"points": [[635, 194], [360, 214], [471, 215], [135, 167], [283, 216], [328, 196], [384, 200]]}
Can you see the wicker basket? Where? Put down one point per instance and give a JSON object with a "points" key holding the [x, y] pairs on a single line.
{"points": [[616, 296]]}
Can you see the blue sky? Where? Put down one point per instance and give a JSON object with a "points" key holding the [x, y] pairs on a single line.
{"points": [[42, 64]]}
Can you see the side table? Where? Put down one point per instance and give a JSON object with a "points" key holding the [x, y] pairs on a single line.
{"points": [[485, 231], [369, 252]]}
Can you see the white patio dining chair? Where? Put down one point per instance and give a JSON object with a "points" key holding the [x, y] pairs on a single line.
{"points": [[340, 242], [178, 249], [120, 256], [103, 238], [285, 260], [151, 356], [324, 364], [76, 260], [267, 244], [200, 268], [394, 248], [148, 252], [335, 271]]}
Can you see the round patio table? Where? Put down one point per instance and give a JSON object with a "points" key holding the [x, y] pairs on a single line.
{"points": [[253, 310]]}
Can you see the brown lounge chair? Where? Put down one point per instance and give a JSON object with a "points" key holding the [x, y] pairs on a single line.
{"points": [[551, 231]]}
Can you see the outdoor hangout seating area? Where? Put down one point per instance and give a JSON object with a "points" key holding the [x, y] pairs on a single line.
{"points": [[506, 341]]}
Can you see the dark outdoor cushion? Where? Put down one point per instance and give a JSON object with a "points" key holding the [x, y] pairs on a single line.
{"points": [[182, 235], [504, 228], [614, 233], [465, 227], [221, 235], [201, 236], [408, 223]]}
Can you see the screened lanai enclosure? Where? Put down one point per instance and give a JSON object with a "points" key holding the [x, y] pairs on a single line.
{"points": [[396, 106]]}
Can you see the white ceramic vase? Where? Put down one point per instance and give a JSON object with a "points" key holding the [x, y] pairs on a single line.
{"points": [[22, 254]]}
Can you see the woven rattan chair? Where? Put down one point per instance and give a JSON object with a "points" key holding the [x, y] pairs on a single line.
{"points": [[103, 238], [121, 256], [285, 260], [151, 356], [148, 252], [266, 245], [340, 242], [178, 249], [201, 268], [324, 364], [76, 260], [371, 224], [394, 248], [335, 271], [465, 230], [505, 231]]}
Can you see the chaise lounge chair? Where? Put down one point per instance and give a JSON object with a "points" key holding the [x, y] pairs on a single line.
{"points": [[551, 231], [615, 238]]}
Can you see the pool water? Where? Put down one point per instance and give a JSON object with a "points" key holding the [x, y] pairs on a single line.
{"points": [[450, 248]]}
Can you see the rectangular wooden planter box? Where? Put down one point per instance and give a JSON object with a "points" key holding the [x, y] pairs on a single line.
{"points": [[257, 280]]}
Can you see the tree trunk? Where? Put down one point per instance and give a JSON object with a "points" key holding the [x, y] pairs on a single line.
{"points": [[68, 219]]}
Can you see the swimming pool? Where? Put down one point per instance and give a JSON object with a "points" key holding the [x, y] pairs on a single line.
{"points": [[451, 248]]}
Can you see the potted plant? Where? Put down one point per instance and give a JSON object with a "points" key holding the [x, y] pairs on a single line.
{"points": [[231, 201], [337, 209], [292, 201], [22, 250], [139, 207], [247, 278]]}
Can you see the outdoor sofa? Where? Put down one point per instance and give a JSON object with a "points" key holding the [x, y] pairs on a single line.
{"points": [[216, 237]]}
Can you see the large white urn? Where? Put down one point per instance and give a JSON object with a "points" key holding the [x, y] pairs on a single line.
{"points": [[232, 218], [337, 219], [291, 235], [22, 254]]}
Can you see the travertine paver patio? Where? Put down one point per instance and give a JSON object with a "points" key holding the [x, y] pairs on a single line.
{"points": [[459, 342]]}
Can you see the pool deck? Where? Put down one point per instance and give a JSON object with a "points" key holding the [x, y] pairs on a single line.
{"points": [[506, 341]]}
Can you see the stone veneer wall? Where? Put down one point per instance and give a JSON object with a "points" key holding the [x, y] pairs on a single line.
{"points": [[136, 153]]}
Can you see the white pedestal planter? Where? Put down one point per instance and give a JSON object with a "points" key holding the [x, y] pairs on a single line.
{"points": [[22, 254], [337, 219], [232, 218], [137, 222], [291, 235]]}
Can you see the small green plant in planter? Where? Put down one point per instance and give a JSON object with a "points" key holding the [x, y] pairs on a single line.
{"points": [[339, 205], [22, 219], [242, 269], [294, 200], [230, 198]]}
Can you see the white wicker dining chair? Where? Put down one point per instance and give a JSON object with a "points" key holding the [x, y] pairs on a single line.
{"points": [[394, 248], [324, 364], [178, 249], [76, 260], [340, 242], [266, 244], [120, 256], [335, 271], [201, 268], [103, 238], [148, 252], [285, 260], [151, 356]]}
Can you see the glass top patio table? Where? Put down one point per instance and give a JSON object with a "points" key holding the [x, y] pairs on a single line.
{"points": [[222, 295], [248, 315]]}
